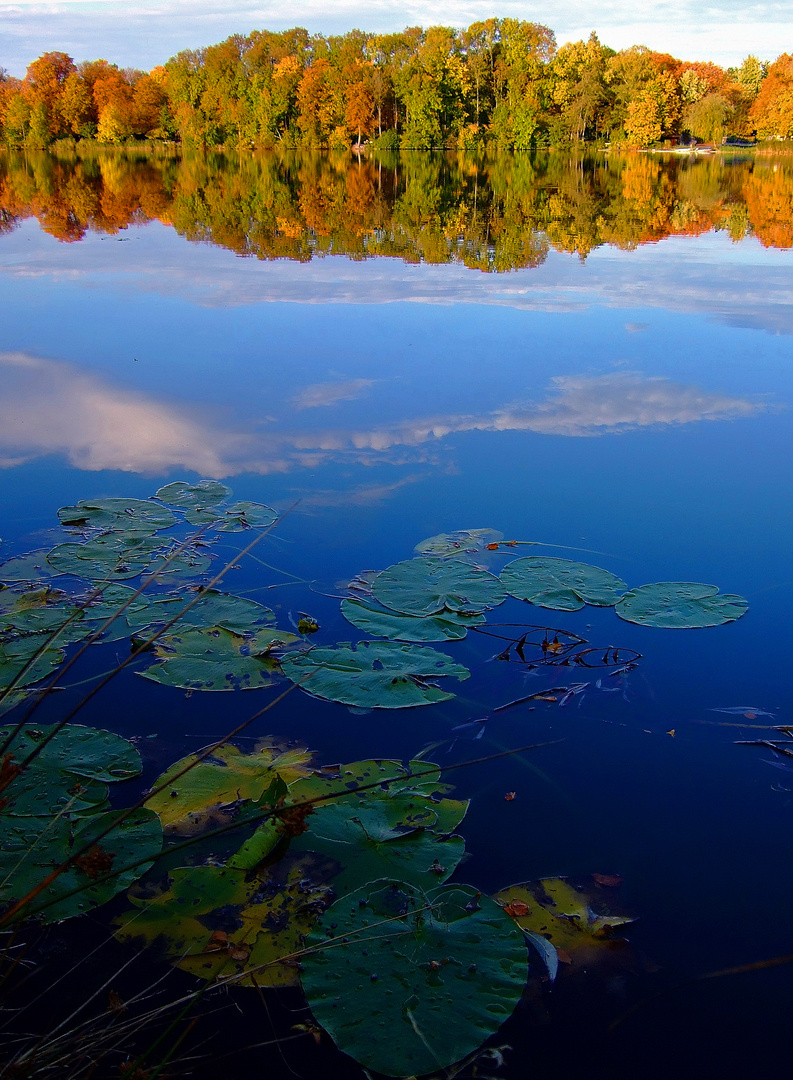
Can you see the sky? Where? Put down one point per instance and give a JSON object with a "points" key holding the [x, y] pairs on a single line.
{"points": [[143, 33]]}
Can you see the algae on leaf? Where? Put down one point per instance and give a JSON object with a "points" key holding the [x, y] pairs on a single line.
{"points": [[408, 982], [373, 674], [561, 584], [684, 605], [431, 586]]}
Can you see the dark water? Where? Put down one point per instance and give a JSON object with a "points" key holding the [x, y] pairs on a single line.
{"points": [[625, 389]]}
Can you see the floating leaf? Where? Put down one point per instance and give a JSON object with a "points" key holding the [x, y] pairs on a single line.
{"points": [[682, 605], [561, 584], [428, 586], [380, 622], [213, 789], [112, 556], [460, 544], [30, 567], [33, 846], [373, 674], [390, 830], [215, 923], [216, 659], [573, 918], [193, 496], [233, 613], [237, 518], [127, 515], [410, 982], [15, 655]]}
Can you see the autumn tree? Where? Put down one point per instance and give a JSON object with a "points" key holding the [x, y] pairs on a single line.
{"points": [[772, 111], [359, 111], [316, 106]]}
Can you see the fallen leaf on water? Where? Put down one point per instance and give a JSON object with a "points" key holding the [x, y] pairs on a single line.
{"points": [[510, 795], [564, 956], [611, 881], [671, 732], [492, 547], [517, 909]]}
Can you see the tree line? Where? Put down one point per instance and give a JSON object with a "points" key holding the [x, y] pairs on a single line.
{"points": [[494, 213], [501, 83]]}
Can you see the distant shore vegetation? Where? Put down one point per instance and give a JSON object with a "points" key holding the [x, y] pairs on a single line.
{"points": [[499, 84]]}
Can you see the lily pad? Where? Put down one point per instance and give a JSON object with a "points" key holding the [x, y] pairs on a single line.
{"points": [[30, 567], [217, 924], [106, 557], [561, 584], [127, 515], [213, 790], [233, 613], [373, 674], [431, 586], [16, 655], [380, 622], [576, 919], [193, 496], [461, 544], [216, 660], [408, 982], [680, 605], [237, 518], [33, 847]]}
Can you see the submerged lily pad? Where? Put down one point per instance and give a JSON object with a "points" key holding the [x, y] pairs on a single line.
{"points": [[213, 789], [126, 515], [30, 567], [373, 674], [237, 518], [193, 496], [450, 626], [16, 655], [561, 584], [216, 923], [215, 659], [461, 544], [680, 605], [408, 982], [430, 586]]}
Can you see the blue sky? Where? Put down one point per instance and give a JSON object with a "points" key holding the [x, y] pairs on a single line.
{"points": [[142, 33]]}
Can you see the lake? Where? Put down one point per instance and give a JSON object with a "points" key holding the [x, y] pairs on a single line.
{"points": [[590, 354]]}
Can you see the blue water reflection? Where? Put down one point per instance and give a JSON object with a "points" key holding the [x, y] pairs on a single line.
{"points": [[636, 406]]}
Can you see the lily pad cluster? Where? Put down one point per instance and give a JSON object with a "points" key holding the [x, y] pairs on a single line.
{"points": [[50, 599], [53, 806]]}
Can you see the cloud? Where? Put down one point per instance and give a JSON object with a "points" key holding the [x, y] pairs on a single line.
{"points": [[51, 407], [146, 33], [330, 393]]}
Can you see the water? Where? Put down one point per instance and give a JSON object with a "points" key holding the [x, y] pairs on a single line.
{"points": [[625, 389]]}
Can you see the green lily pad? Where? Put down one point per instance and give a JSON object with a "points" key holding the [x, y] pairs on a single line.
{"points": [[380, 622], [216, 660], [212, 791], [25, 611], [106, 557], [461, 544], [30, 567], [373, 674], [561, 584], [127, 515], [217, 924], [186, 560], [231, 612], [431, 586], [193, 496], [408, 982], [680, 605], [33, 847], [237, 518], [16, 654]]}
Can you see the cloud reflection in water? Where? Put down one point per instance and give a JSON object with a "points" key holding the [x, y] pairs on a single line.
{"points": [[50, 407]]}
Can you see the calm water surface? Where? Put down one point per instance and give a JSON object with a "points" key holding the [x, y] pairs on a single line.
{"points": [[625, 397]]}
